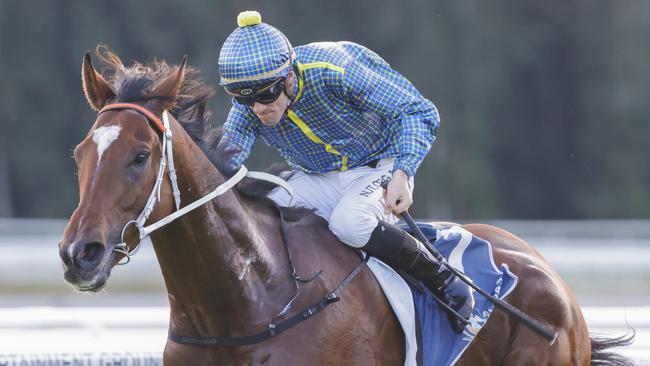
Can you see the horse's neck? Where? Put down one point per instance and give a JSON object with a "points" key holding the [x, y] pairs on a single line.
{"points": [[217, 261]]}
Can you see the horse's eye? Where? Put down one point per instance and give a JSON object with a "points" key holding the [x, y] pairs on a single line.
{"points": [[141, 158]]}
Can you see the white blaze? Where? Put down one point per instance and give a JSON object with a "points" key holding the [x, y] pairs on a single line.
{"points": [[104, 137]]}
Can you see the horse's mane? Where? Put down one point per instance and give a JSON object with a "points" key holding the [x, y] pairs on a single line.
{"points": [[134, 83]]}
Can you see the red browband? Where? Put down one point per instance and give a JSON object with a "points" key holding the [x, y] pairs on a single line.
{"points": [[144, 111]]}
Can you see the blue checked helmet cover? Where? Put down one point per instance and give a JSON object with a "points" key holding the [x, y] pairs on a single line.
{"points": [[254, 53]]}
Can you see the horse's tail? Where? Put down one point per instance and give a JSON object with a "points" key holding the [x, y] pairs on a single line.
{"points": [[602, 355]]}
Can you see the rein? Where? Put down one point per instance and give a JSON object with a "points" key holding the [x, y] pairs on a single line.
{"points": [[167, 158]]}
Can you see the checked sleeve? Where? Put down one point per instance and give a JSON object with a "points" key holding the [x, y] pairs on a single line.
{"points": [[239, 135], [374, 87]]}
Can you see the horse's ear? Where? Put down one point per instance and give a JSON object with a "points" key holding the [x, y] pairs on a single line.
{"points": [[96, 89], [168, 88]]}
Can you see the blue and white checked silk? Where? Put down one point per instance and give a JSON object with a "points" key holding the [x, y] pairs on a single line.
{"points": [[254, 54], [349, 108]]}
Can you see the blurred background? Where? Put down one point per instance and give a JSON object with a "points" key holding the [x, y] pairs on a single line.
{"points": [[545, 111], [544, 105]]}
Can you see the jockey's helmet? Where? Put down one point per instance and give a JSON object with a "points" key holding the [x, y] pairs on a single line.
{"points": [[254, 53]]}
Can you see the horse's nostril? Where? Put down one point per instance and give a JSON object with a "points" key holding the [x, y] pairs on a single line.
{"points": [[64, 253], [90, 254]]}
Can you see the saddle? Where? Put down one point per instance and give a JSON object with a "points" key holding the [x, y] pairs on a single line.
{"points": [[429, 338]]}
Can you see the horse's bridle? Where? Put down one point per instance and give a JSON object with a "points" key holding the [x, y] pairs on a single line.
{"points": [[167, 158]]}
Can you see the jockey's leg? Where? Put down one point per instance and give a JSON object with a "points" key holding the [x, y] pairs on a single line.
{"points": [[391, 244], [362, 205], [360, 220], [320, 192]]}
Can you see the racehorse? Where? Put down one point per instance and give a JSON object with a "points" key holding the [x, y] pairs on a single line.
{"points": [[231, 265]]}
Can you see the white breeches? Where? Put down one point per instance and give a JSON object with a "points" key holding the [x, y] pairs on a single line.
{"points": [[352, 201]]}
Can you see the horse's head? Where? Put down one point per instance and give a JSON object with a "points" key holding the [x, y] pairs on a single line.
{"points": [[117, 165]]}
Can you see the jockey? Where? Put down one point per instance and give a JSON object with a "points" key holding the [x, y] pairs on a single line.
{"points": [[347, 122]]}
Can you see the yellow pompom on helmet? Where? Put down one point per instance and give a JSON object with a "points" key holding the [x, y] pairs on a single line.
{"points": [[254, 53]]}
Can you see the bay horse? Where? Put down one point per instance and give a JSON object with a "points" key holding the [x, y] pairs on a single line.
{"points": [[225, 264]]}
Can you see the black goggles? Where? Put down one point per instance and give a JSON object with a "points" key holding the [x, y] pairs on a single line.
{"points": [[265, 94]]}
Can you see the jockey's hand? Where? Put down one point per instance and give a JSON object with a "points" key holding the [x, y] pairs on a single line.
{"points": [[398, 195]]}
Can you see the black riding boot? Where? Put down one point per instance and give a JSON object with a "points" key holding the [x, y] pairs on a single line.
{"points": [[394, 246]]}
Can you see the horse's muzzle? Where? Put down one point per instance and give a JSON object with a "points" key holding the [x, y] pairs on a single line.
{"points": [[83, 264]]}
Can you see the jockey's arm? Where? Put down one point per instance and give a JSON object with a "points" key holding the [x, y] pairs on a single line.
{"points": [[384, 91], [239, 135]]}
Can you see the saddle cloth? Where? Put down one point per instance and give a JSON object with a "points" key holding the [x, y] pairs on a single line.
{"points": [[430, 341]]}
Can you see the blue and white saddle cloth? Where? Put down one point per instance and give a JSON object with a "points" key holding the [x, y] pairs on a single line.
{"points": [[430, 341]]}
